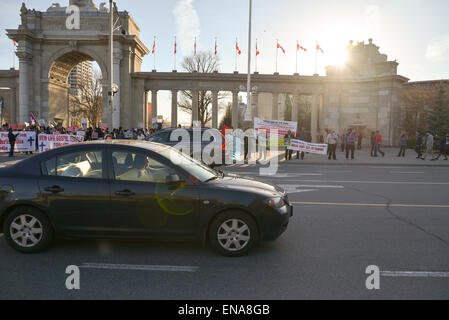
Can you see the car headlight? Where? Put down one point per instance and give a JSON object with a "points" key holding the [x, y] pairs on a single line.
{"points": [[275, 202]]}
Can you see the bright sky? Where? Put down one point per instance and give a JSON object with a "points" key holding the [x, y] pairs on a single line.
{"points": [[415, 32]]}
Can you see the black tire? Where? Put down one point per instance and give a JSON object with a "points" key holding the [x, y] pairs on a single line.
{"points": [[39, 241], [221, 246]]}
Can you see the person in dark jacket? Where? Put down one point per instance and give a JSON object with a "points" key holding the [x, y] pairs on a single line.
{"points": [[419, 144], [373, 143], [443, 152], [302, 135], [287, 142], [12, 141]]}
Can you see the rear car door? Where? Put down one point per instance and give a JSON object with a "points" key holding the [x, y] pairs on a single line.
{"points": [[143, 204], [74, 187]]}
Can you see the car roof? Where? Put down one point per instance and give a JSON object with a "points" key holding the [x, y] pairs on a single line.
{"points": [[156, 147]]}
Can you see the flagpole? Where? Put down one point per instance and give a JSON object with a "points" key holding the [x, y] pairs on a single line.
{"points": [[175, 53], [14, 56], [236, 41], [277, 51], [316, 58], [256, 55], [297, 44], [154, 53], [248, 84]]}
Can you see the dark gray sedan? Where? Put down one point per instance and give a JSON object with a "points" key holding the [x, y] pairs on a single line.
{"points": [[135, 190]]}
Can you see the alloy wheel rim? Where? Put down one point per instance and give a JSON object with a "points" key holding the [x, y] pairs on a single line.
{"points": [[26, 231], [233, 235]]}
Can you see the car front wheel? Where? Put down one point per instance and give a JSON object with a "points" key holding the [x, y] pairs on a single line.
{"points": [[233, 234], [28, 230]]}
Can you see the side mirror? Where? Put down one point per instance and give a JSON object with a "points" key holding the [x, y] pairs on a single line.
{"points": [[173, 181]]}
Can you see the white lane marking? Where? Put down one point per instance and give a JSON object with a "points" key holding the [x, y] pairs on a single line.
{"points": [[412, 183], [135, 267], [414, 274], [295, 188], [404, 172]]}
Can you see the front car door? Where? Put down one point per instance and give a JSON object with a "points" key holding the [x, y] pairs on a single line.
{"points": [[143, 204], [74, 187]]}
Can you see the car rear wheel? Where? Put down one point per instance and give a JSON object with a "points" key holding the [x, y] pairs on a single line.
{"points": [[28, 230], [233, 234]]}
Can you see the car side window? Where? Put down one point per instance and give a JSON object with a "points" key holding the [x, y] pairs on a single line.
{"points": [[162, 137], [139, 167], [79, 164]]}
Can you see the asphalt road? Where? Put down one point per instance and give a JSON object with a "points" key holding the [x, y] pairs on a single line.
{"points": [[346, 219]]}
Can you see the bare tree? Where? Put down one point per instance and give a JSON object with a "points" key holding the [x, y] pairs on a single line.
{"points": [[88, 103], [203, 62]]}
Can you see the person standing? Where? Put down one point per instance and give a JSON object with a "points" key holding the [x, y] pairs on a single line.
{"points": [[419, 144], [429, 145], [332, 140], [403, 142], [373, 143], [359, 141], [343, 142], [12, 141], [443, 150], [378, 140], [302, 135], [351, 140], [287, 142]]}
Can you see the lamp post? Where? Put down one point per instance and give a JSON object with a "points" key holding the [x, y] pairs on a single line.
{"points": [[111, 59]]}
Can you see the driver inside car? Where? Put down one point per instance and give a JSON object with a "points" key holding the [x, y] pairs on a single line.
{"points": [[140, 170]]}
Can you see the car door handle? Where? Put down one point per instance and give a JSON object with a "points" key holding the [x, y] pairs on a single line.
{"points": [[125, 193], [54, 189]]}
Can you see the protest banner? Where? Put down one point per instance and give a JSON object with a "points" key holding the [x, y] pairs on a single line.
{"points": [[282, 128], [25, 142], [302, 146], [52, 141]]}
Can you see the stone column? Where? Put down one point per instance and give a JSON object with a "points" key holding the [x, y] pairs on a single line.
{"points": [[235, 110], [314, 126], [116, 107], [295, 107], [139, 102], [153, 105], [255, 102], [13, 109], [24, 86], [275, 110], [145, 110], [174, 108], [195, 98], [215, 109]]}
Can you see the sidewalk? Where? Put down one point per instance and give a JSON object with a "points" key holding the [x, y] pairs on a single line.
{"points": [[363, 157]]}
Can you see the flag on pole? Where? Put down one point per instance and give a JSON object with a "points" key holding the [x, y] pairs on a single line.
{"points": [[216, 47], [238, 48], [318, 48], [257, 50], [15, 43], [154, 46], [175, 46], [299, 47], [280, 47], [194, 47]]}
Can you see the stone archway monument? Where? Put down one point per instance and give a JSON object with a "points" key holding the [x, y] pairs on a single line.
{"points": [[48, 51]]}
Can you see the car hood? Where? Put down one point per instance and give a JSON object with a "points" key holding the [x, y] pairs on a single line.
{"points": [[249, 184]]}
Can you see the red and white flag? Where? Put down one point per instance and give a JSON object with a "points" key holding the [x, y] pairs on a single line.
{"points": [[257, 50], [175, 46], [280, 47], [194, 47], [216, 47], [154, 46], [318, 48], [299, 47], [237, 48]]}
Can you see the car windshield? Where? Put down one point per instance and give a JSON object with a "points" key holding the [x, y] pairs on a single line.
{"points": [[198, 170]]}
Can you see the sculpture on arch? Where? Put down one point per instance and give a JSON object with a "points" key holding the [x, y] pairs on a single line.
{"points": [[83, 3]]}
